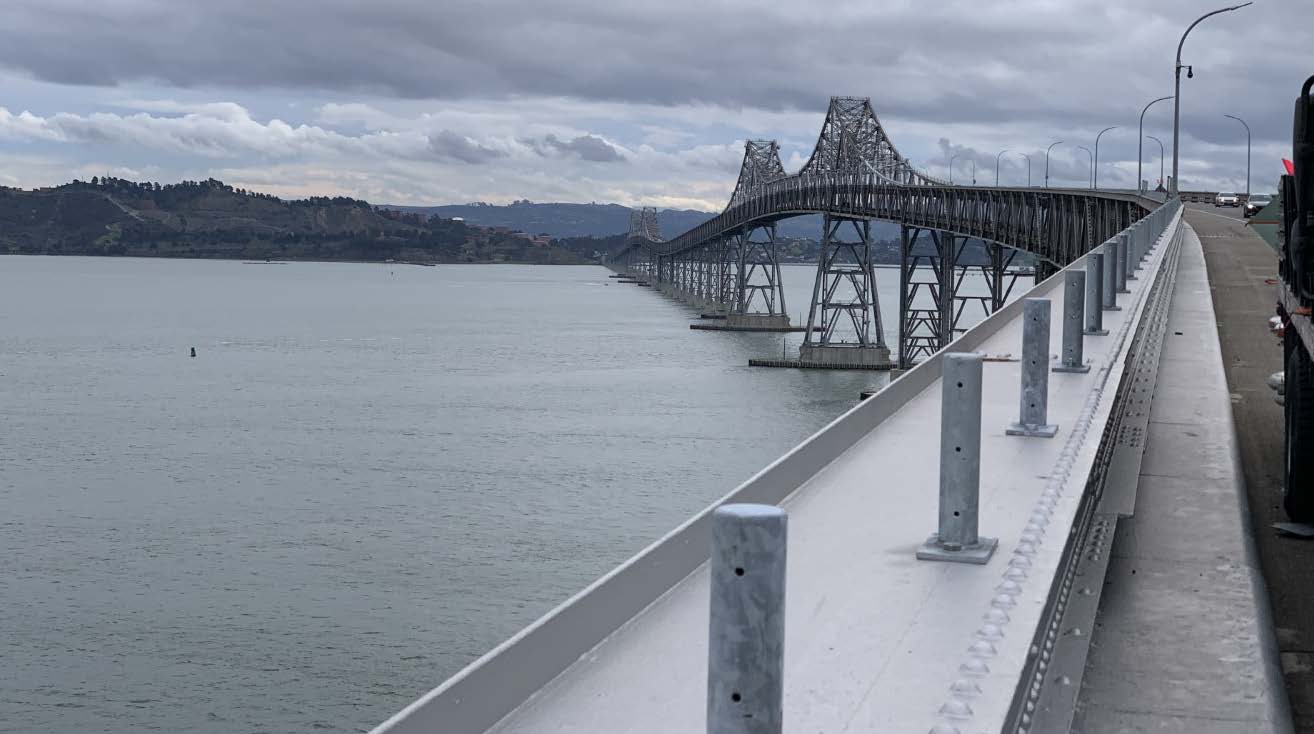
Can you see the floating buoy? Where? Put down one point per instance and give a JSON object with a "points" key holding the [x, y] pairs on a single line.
{"points": [[193, 351]]}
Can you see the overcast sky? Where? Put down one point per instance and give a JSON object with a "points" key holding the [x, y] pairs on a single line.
{"points": [[636, 102]]}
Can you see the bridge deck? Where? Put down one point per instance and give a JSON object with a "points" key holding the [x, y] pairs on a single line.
{"points": [[1184, 641], [874, 638]]}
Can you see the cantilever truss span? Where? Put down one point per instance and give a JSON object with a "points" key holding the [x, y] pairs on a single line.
{"points": [[855, 173]]}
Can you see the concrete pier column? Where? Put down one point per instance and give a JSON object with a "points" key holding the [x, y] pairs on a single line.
{"points": [[1074, 299], [956, 537], [746, 640], [1035, 372]]}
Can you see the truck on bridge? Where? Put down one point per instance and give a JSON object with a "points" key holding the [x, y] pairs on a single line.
{"points": [[1295, 300]]}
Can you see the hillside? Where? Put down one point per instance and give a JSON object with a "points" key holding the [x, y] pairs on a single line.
{"points": [[209, 219], [601, 220]]}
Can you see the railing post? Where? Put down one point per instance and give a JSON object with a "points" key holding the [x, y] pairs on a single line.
{"points": [[1109, 280], [1094, 310], [1074, 294], [1135, 241], [1035, 372], [746, 641], [1120, 272], [960, 464]]}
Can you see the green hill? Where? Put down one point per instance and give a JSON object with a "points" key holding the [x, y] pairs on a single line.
{"points": [[209, 219]]}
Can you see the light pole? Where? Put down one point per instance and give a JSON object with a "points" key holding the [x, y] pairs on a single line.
{"points": [[1177, 85], [1140, 138], [1243, 122], [1160, 142], [1095, 164], [1092, 163], [1024, 155], [973, 171], [1001, 154], [951, 166], [1047, 150]]}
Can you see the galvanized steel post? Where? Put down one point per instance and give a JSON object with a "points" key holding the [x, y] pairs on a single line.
{"points": [[1035, 372], [746, 641], [1134, 248], [1094, 276], [960, 465], [1074, 294], [1124, 253], [1109, 280]]}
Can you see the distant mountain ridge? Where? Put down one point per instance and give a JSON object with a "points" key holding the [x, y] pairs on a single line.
{"points": [[210, 219], [603, 220]]}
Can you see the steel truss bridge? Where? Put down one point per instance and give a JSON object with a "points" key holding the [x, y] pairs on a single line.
{"points": [[729, 265]]}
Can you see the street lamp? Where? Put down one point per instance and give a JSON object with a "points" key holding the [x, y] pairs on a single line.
{"points": [[1243, 122], [1160, 142], [1140, 138], [1092, 163], [1047, 150], [1024, 155], [1001, 153], [1177, 84], [951, 167], [973, 171], [1095, 164]]}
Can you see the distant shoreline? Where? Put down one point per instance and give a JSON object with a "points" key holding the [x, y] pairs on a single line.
{"points": [[285, 261]]}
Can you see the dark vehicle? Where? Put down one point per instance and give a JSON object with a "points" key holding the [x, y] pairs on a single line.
{"points": [[1296, 297], [1256, 202]]}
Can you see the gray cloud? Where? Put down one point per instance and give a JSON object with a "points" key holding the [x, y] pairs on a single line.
{"points": [[985, 75], [451, 146], [587, 147], [953, 60]]}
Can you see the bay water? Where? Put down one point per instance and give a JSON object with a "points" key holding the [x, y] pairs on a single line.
{"points": [[368, 475]]}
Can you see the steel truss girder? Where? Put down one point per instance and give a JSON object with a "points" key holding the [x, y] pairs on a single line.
{"points": [[845, 308], [761, 165], [1053, 225]]}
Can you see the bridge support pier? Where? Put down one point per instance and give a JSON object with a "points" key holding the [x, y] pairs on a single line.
{"points": [[844, 320], [759, 296], [930, 301], [725, 260]]}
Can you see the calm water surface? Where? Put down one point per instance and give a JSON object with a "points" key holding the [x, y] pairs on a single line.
{"points": [[368, 476]]}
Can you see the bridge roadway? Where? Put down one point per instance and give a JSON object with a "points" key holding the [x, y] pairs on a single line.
{"points": [[879, 641]]}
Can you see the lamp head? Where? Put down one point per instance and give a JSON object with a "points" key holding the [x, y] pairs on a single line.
{"points": [[1190, 73]]}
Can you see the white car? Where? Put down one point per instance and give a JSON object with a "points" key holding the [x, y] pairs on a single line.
{"points": [[1227, 198]]}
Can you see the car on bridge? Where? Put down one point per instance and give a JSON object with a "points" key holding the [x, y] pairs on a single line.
{"points": [[1227, 198], [1255, 202]]}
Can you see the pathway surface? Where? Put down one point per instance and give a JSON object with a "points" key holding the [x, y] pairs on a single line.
{"points": [[1183, 641], [1240, 267]]}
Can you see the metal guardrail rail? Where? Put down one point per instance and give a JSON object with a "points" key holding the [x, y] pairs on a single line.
{"points": [[620, 654]]}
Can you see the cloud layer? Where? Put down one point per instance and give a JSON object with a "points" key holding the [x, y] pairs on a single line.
{"points": [[626, 101]]}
